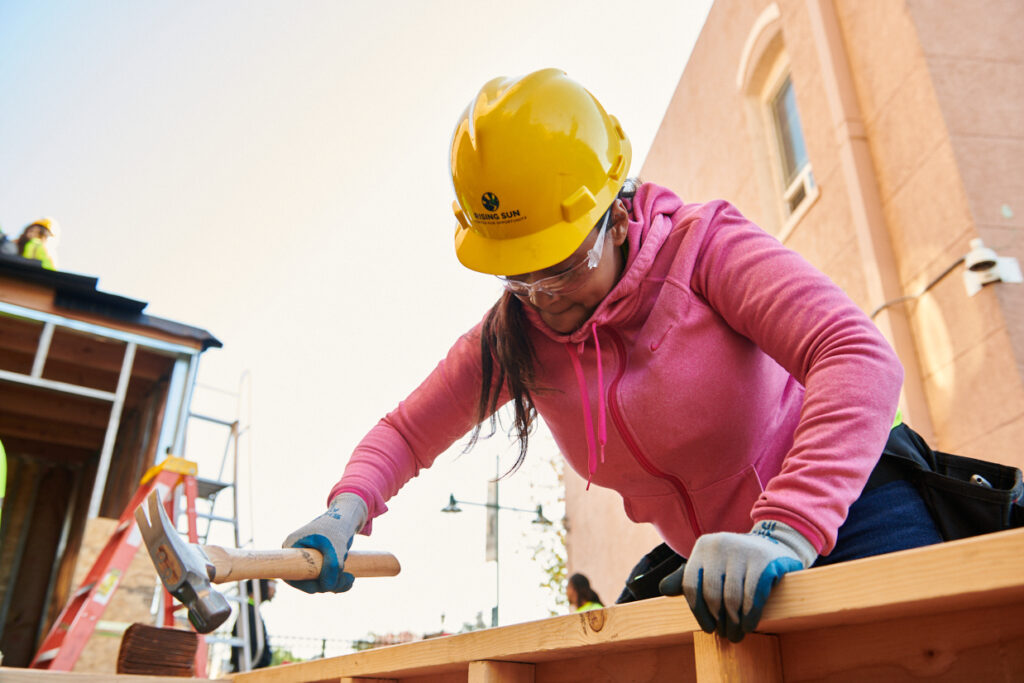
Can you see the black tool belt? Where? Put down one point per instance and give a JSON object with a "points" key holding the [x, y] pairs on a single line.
{"points": [[965, 496]]}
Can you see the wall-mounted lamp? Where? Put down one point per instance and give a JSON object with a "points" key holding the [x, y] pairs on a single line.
{"points": [[982, 266]]}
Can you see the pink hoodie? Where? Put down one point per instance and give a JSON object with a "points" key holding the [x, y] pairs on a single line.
{"points": [[722, 381]]}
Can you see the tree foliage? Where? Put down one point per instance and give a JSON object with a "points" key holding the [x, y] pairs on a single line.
{"points": [[550, 550]]}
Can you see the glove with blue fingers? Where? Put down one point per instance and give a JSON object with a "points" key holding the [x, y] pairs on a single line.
{"points": [[331, 533], [728, 576]]}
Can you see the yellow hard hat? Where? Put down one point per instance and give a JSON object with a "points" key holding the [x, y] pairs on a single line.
{"points": [[50, 224], [535, 162]]}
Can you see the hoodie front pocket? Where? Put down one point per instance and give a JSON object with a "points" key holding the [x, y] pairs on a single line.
{"points": [[726, 504]]}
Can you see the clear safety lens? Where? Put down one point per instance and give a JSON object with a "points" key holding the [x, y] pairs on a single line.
{"points": [[567, 281]]}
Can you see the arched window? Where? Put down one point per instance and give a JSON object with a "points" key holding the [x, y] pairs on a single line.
{"points": [[783, 168]]}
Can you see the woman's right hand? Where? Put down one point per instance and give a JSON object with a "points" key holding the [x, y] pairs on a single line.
{"points": [[331, 533]]}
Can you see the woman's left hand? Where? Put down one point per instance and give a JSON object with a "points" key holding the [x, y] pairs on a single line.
{"points": [[729, 576]]}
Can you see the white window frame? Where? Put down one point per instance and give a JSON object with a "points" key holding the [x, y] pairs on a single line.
{"points": [[763, 69], [803, 182]]}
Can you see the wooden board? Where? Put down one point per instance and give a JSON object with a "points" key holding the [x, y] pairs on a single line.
{"points": [[10, 675], [949, 612]]}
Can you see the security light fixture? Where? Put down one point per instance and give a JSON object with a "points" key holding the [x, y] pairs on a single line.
{"points": [[983, 266], [980, 258]]}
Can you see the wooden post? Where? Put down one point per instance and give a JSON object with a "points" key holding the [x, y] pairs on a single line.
{"points": [[755, 659], [499, 672]]}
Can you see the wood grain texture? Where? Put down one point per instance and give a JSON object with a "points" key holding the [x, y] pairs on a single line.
{"points": [[985, 644], [948, 612], [291, 564], [500, 672], [669, 664], [9, 675], [753, 660], [639, 625]]}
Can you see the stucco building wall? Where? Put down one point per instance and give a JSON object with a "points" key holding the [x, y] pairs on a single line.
{"points": [[913, 116]]}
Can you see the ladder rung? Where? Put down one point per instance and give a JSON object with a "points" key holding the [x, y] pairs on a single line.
{"points": [[207, 488], [225, 639], [215, 518], [210, 418]]}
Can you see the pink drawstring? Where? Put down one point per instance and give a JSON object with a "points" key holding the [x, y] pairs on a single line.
{"points": [[588, 424], [602, 426]]}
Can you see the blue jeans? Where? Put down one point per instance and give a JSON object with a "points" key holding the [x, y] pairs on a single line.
{"points": [[883, 520]]}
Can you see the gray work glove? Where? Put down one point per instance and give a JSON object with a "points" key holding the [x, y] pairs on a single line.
{"points": [[331, 533], [728, 576]]}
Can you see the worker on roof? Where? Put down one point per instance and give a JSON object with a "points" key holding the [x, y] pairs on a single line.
{"points": [[732, 394], [32, 244]]}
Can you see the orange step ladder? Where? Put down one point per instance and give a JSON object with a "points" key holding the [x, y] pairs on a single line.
{"points": [[70, 632]]}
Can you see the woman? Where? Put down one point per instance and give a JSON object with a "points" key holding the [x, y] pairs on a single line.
{"points": [[581, 597], [679, 355]]}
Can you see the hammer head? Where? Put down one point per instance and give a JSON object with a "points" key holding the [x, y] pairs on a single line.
{"points": [[182, 569]]}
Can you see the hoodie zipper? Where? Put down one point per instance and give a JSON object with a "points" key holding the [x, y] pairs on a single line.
{"points": [[634, 448]]}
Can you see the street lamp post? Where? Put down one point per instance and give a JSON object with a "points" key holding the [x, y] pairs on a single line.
{"points": [[453, 506]]}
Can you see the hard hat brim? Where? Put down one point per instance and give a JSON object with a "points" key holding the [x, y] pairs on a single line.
{"points": [[532, 252]]}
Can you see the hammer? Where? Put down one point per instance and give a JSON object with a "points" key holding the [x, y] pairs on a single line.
{"points": [[187, 569]]}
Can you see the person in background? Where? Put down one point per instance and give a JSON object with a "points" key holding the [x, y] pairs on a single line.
{"points": [[259, 648], [679, 354], [580, 595], [32, 244]]}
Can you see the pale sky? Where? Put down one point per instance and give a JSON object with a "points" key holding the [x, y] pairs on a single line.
{"points": [[277, 173]]}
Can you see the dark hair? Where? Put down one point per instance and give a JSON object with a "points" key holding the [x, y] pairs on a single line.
{"points": [[507, 360], [583, 590], [23, 238]]}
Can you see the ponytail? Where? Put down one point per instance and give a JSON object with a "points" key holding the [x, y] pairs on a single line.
{"points": [[507, 362]]}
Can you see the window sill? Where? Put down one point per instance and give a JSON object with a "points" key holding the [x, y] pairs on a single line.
{"points": [[794, 218]]}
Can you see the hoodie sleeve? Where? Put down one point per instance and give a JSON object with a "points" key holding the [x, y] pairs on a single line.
{"points": [[436, 414], [808, 325]]}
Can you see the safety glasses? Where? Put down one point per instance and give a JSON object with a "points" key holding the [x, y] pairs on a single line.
{"points": [[569, 280]]}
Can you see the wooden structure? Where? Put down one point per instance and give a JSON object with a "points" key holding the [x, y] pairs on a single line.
{"points": [[92, 392], [36, 676], [950, 612]]}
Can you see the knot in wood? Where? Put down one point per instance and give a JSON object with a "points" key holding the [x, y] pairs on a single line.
{"points": [[594, 619]]}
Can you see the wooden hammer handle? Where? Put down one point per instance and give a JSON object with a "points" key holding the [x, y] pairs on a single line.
{"points": [[289, 564]]}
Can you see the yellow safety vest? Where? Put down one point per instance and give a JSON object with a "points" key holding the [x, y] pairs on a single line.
{"points": [[587, 606], [35, 249]]}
